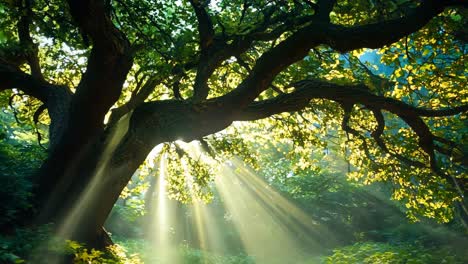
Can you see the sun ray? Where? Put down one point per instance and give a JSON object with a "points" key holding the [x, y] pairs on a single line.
{"points": [[162, 226], [207, 231], [296, 220], [69, 225], [271, 227], [264, 235], [89, 195]]}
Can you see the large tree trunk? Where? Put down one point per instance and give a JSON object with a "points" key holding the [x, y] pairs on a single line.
{"points": [[88, 187], [78, 166]]}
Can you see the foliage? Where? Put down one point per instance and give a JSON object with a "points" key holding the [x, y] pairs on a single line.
{"points": [[114, 254], [39, 245], [188, 176], [16, 189], [19, 157], [16, 247], [131, 209], [388, 253], [355, 211]]}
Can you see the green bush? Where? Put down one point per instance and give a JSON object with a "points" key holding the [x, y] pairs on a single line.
{"points": [[17, 163], [385, 253], [114, 254], [16, 247]]}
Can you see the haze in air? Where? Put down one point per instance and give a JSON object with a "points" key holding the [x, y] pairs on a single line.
{"points": [[233, 132]]}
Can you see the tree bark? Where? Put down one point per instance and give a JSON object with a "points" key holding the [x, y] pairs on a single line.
{"points": [[81, 201]]}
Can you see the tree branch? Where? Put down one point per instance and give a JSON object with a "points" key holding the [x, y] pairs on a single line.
{"points": [[30, 48], [378, 132], [307, 90], [377, 35], [208, 62], [324, 7], [12, 77], [218, 50], [134, 101], [353, 94], [108, 65], [338, 37], [205, 26], [56, 98]]}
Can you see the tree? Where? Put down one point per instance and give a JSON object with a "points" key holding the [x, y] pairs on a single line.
{"points": [[119, 77]]}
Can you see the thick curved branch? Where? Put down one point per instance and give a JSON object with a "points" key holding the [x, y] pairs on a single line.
{"points": [[205, 26], [219, 50], [56, 98], [377, 35], [24, 34], [208, 61], [442, 112], [12, 77], [211, 59], [352, 94], [316, 89], [338, 37], [108, 65]]}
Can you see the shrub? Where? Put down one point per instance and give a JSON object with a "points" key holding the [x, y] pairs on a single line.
{"points": [[114, 254], [17, 163], [385, 253]]}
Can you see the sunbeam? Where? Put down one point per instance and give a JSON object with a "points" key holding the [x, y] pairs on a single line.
{"points": [[164, 216], [293, 218], [69, 225], [207, 230], [263, 235], [272, 229]]}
